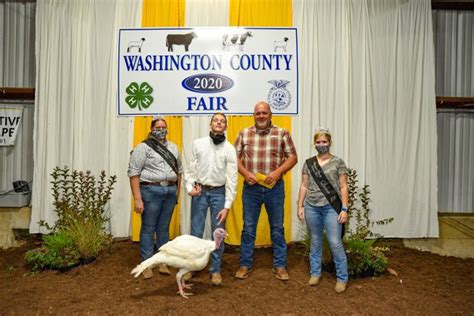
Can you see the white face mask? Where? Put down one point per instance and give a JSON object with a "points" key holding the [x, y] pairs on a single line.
{"points": [[159, 133], [322, 149]]}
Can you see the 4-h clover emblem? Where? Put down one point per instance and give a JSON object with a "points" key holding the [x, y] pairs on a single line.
{"points": [[139, 95]]}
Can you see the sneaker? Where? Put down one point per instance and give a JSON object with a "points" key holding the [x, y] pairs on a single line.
{"points": [[242, 273], [281, 273], [147, 273], [313, 280], [216, 279], [340, 287], [163, 269]]}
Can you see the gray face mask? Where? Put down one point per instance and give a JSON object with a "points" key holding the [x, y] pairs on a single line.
{"points": [[159, 133], [322, 149]]}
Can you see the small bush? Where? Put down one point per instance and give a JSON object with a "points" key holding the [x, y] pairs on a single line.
{"points": [[80, 202], [58, 252], [363, 258], [89, 237]]}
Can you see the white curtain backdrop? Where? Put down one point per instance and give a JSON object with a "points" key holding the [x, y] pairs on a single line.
{"points": [[76, 91], [198, 13], [367, 73]]}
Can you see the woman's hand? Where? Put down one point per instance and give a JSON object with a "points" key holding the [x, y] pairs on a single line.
{"points": [[300, 213], [139, 206], [342, 218]]}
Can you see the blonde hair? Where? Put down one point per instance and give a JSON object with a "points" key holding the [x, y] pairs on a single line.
{"points": [[221, 114], [322, 132]]}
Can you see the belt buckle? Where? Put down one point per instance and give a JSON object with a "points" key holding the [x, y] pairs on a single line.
{"points": [[164, 183]]}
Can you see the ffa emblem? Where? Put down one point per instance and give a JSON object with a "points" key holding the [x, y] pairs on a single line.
{"points": [[279, 97]]}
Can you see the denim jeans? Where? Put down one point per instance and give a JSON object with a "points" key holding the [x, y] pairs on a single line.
{"points": [[215, 200], [159, 203], [317, 218], [253, 197]]}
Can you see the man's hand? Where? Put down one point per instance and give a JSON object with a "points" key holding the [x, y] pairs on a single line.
{"points": [[195, 191], [222, 215], [250, 178], [272, 177], [138, 206]]}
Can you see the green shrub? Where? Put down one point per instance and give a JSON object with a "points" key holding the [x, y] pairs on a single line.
{"points": [[89, 237], [363, 258], [58, 252], [80, 203]]}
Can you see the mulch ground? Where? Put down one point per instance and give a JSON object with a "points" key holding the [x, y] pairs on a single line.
{"points": [[426, 284]]}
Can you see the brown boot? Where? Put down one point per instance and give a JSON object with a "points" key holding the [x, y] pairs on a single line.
{"points": [[242, 273], [216, 279], [281, 273], [313, 280], [163, 269], [147, 273], [340, 287]]}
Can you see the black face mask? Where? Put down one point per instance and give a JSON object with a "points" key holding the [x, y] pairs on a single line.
{"points": [[217, 139]]}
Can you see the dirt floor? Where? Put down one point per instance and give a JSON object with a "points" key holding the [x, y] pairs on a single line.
{"points": [[426, 284]]}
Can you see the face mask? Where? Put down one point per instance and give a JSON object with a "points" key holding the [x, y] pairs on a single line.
{"points": [[322, 149], [217, 139], [159, 133]]}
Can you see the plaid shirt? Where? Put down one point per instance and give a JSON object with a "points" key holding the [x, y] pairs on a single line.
{"points": [[264, 151]]}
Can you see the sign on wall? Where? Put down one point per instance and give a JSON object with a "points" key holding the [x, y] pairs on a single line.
{"points": [[189, 71], [10, 118]]}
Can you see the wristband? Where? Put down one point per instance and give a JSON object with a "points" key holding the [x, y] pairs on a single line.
{"points": [[344, 209]]}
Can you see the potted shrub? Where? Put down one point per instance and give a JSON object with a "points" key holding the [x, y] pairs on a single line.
{"points": [[80, 202]]}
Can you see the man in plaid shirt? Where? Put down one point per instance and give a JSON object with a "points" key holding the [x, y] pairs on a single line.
{"points": [[269, 150]]}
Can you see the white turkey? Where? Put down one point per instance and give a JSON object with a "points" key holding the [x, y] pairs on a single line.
{"points": [[186, 253]]}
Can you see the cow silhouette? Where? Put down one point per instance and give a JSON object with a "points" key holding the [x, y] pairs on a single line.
{"points": [[179, 39], [235, 39]]}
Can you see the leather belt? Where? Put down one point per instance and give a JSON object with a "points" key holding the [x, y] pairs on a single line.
{"points": [[210, 187], [161, 183]]}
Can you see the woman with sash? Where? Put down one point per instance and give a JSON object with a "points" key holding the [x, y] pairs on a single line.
{"points": [[154, 170], [322, 203]]}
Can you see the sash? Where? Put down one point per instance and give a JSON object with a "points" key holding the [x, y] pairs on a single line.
{"points": [[325, 186], [163, 152]]}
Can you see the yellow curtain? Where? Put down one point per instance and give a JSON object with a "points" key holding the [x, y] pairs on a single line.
{"points": [[160, 13], [258, 13]]}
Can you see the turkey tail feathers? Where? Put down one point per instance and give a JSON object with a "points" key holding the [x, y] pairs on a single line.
{"points": [[149, 263]]}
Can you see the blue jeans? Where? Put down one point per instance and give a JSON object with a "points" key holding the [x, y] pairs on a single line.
{"points": [[317, 218], [159, 203], [215, 200], [253, 197]]}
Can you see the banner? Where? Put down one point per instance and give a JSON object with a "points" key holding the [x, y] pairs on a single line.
{"points": [[189, 71], [10, 118]]}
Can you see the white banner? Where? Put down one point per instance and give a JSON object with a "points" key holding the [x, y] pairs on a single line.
{"points": [[10, 119], [188, 71]]}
